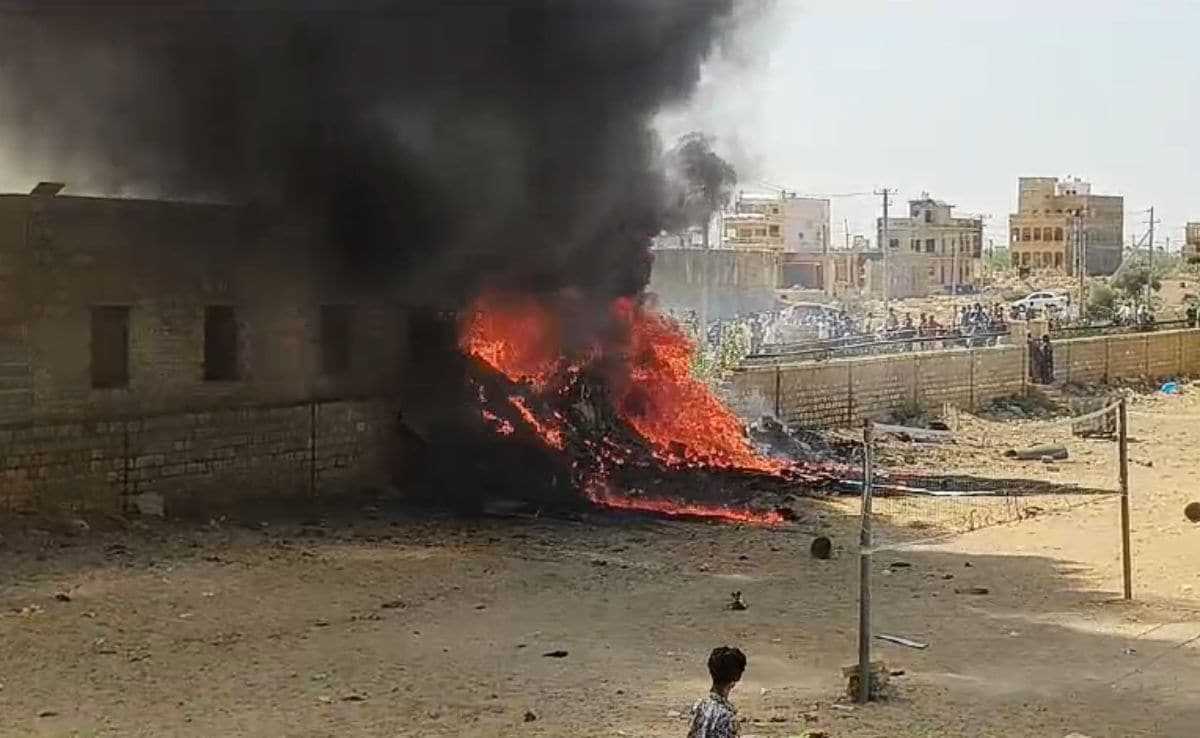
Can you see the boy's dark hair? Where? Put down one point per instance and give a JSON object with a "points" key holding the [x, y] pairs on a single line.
{"points": [[726, 664]]}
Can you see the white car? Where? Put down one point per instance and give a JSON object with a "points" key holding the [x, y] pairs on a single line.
{"points": [[1045, 301]]}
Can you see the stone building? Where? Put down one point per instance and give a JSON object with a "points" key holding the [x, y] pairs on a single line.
{"points": [[951, 246], [1056, 219], [180, 352], [1191, 244], [752, 230], [797, 225]]}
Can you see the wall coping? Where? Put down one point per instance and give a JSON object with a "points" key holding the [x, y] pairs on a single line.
{"points": [[896, 357]]}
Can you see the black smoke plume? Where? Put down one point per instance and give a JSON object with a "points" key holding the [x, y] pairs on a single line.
{"points": [[445, 146]]}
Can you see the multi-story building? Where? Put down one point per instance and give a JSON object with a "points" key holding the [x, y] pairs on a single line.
{"points": [[752, 230], [796, 225], [951, 245], [1191, 244], [1057, 220]]}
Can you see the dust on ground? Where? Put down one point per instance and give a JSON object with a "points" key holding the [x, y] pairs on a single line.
{"points": [[385, 622]]}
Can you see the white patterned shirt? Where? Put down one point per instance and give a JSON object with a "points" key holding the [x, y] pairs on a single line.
{"points": [[714, 717]]}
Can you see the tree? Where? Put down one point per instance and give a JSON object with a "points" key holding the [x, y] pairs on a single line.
{"points": [[701, 184], [1132, 283]]}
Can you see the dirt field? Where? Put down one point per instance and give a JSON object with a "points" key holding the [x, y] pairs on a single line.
{"points": [[405, 625]]}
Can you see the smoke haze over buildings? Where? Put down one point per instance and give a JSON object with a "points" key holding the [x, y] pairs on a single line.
{"points": [[447, 145]]}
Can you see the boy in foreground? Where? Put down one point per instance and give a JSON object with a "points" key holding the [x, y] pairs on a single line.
{"points": [[715, 716]]}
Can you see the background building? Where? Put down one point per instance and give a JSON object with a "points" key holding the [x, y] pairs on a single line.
{"points": [[950, 246], [174, 354], [1191, 245], [1053, 216]]}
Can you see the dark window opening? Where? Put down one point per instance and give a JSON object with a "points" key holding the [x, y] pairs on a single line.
{"points": [[110, 347], [774, 230], [928, 216], [220, 344], [930, 245], [335, 338]]}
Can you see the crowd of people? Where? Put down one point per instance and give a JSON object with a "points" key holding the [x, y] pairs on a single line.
{"points": [[967, 322]]}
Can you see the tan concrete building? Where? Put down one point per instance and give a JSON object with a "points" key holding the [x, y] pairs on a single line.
{"points": [[1191, 245], [164, 355], [752, 230], [1056, 219], [951, 246]]}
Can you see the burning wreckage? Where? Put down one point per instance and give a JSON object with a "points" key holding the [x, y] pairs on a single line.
{"points": [[622, 426], [437, 152]]}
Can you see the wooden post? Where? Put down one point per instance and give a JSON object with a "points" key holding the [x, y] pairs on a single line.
{"points": [[864, 569], [1126, 557]]}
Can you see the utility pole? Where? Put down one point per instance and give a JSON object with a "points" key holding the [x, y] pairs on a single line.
{"points": [[884, 245], [1082, 267], [1150, 261]]}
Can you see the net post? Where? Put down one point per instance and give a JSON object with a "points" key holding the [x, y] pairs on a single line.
{"points": [[864, 568], [1126, 555]]}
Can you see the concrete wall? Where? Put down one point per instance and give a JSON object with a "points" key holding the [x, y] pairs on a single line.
{"points": [[170, 432], [733, 280], [167, 262], [845, 391], [194, 461]]}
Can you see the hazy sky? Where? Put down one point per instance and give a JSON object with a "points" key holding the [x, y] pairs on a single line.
{"points": [[960, 97], [956, 97]]}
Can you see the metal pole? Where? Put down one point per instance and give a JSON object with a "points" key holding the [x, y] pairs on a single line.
{"points": [[864, 569], [1082, 278], [1126, 557], [884, 244], [1150, 261]]}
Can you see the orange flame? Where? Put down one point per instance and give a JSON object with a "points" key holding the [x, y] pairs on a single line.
{"points": [[679, 417], [517, 336], [602, 495], [677, 413], [551, 435]]}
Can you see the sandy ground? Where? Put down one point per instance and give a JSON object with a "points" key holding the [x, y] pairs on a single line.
{"points": [[407, 625]]}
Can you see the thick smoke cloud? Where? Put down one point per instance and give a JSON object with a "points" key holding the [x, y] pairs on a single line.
{"points": [[446, 146]]}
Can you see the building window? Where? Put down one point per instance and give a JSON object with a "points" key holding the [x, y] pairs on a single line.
{"points": [[1024, 234], [110, 347], [335, 338], [1058, 260], [930, 245], [744, 233], [1058, 234], [1037, 234], [1025, 258], [220, 344], [1016, 235], [760, 232], [893, 243], [928, 216], [774, 230]]}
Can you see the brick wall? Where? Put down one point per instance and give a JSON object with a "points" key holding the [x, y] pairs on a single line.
{"points": [[845, 391], [197, 460]]}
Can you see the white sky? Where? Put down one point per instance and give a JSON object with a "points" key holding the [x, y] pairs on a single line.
{"points": [[960, 97]]}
